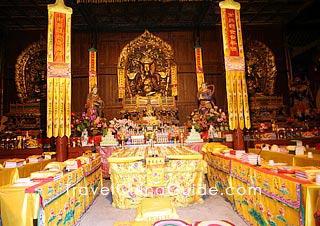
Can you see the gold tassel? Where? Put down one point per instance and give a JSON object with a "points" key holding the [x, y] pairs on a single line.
{"points": [[62, 103], [50, 96], [68, 108], [121, 83]]}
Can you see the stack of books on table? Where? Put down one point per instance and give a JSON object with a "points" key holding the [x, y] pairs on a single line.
{"points": [[72, 164], [307, 173], [237, 153], [91, 155], [46, 175], [35, 158], [85, 159], [13, 163], [49, 154], [251, 158]]}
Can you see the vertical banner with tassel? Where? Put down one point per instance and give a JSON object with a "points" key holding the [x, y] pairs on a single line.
{"points": [[92, 68], [236, 86], [59, 70], [121, 83], [199, 66], [174, 79]]}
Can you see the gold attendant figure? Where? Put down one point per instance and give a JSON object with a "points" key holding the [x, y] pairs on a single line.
{"points": [[94, 103]]}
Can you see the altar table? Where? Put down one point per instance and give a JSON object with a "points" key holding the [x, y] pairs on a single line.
{"points": [[174, 171], [52, 203], [10, 175], [283, 199], [106, 151], [290, 159]]}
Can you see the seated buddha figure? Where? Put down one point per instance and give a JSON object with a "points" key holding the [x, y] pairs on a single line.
{"points": [[147, 82]]}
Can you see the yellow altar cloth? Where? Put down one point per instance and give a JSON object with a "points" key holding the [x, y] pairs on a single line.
{"points": [[303, 160], [8, 176], [17, 207], [292, 160], [310, 196], [280, 201], [62, 201], [26, 170], [11, 175], [132, 179]]}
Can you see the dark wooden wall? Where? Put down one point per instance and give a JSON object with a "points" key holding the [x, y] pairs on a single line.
{"points": [[109, 46]]}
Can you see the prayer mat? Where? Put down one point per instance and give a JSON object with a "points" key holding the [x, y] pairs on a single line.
{"points": [[155, 209], [172, 222], [213, 223]]}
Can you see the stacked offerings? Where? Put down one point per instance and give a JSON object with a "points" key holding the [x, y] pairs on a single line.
{"points": [[251, 158], [13, 163], [307, 173], [109, 140]]}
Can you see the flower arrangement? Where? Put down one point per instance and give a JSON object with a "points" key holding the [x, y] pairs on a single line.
{"points": [[151, 122], [215, 117], [116, 125], [94, 124]]}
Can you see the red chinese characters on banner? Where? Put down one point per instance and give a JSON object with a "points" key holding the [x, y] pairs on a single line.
{"points": [[59, 37], [92, 68], [232, 32], [199, 68]]}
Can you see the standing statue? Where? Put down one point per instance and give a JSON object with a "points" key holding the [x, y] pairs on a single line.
{"points": [[94, 103], [149, 109], [301, 98], [205, 98], [84, 137]]}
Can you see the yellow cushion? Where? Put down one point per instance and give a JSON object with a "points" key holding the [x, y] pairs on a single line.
{"points": [[59, 166], [132, 223], [154, 209]]}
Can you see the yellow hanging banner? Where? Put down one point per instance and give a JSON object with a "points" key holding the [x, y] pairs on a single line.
{"points": [[236, 87], [92, 68], [174, 79], [121, 83], [199, 66], [59, 70]]}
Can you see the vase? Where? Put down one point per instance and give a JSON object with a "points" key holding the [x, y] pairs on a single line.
{"points": [[204, 135], [94, 132]]}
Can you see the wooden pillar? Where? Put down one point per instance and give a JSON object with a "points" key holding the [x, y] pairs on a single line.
{"points": [[61, 148], [238, 140]]}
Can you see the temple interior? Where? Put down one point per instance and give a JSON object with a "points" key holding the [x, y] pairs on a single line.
{"points": [[152, 103]]}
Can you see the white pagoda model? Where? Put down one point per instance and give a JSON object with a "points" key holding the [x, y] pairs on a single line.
{"points": [[108, 140], [194, 136]]}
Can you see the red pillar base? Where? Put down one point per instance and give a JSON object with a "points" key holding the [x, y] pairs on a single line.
{"points": [[238, 140], [61, 148]]}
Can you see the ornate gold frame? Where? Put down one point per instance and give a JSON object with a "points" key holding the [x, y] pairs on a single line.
{"points": [[30, 72], [260, 68], [151, 46]]}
